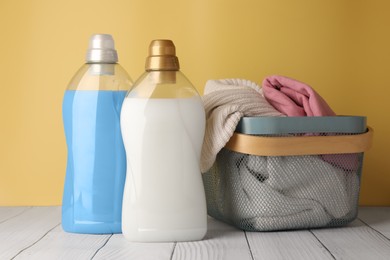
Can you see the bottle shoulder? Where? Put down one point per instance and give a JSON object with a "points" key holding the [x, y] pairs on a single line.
{"points": [[100, 76], [163, 84]]}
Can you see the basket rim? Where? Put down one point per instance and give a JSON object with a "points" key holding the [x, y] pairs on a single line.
{"points": [[300, 145], [294, 125]]}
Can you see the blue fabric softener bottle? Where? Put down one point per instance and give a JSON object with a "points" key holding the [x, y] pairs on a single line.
{"points": [[96, 165]]}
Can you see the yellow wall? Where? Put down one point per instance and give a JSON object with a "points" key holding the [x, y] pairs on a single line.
{"points": [[340, 47]]}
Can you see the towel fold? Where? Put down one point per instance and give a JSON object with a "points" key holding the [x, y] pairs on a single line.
{"points": [[294, 98], [225, 102]]}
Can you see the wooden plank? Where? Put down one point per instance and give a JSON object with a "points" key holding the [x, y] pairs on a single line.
{"points": [[58, 244], [355, 241], [286, 245], [34, 233], [119, 248], [7, 213], [221, 242], [25, 229], [376, 217]]}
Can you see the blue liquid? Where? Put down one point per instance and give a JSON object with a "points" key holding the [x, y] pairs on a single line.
{"points": [[96, 166]]}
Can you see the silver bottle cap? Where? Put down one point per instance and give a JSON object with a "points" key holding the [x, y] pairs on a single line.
{"points": [[101, 49]]}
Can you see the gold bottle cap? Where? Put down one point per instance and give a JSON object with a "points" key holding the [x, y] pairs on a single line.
{"points": [[162, 56]]}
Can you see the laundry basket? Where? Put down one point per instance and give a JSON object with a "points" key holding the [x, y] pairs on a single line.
{"points": [[281, 173]]}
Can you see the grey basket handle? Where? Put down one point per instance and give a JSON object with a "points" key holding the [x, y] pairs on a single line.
{"points": [[295, 125]]}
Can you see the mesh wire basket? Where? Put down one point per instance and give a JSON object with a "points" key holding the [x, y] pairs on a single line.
{"points": [[285, 174]]}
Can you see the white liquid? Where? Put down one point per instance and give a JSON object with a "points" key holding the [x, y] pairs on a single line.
{"points": [[164, 198]]}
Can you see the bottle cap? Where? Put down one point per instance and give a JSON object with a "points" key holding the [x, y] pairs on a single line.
{"points": [[101, 49], [162, 56]]}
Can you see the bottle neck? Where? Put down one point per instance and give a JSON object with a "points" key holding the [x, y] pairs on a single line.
{"points": [[163, 77], [99, 69]]}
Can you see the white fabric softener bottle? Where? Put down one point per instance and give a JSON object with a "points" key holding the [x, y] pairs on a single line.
{"points": [[163, 124]]}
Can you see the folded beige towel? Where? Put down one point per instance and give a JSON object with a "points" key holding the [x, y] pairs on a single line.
{"points": [[225, 102]]}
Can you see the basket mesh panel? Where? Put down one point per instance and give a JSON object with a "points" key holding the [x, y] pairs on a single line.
{"points": [[264, 193]]}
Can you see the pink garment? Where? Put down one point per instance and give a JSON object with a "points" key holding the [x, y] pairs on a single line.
{"points": [[294, 98]]}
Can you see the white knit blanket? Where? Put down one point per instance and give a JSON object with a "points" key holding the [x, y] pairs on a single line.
{"points": [[225, 102]]}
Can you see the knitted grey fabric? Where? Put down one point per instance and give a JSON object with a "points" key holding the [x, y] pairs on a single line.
{"points": [[225, 102]]}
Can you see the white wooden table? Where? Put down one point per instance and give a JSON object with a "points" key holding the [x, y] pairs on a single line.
{"points": [[36, 233]]}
